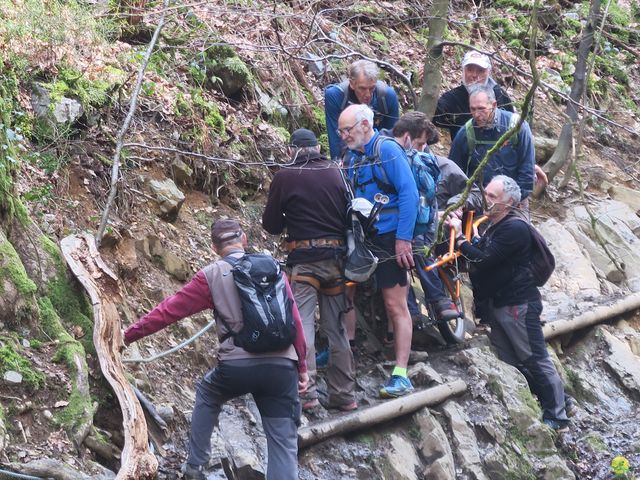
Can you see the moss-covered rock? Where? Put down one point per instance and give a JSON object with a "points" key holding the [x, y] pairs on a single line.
{"points": [[10, 359], [220, 67]]}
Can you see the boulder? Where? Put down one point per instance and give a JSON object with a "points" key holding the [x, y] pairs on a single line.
{"points": [[464, 440], [628, 196], [434, 447], [168, 197], [176, 266], [544, 148], [401, 458], [624, 364], [618, 226], [556, 469], [12, 377], [423, 375], [64, 111], [574, 276], [181, 172]]}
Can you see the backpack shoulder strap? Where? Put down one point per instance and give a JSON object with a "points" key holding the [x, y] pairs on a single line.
{"points": [[471, 136], [381, 93], [513, 121], [344, 88]]}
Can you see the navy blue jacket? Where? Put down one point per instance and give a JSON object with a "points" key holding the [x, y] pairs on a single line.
{"points": [[516, 161], [333, 99]]}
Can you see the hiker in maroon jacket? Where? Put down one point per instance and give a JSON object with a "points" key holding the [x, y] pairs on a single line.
{"points": [[273, 378]]}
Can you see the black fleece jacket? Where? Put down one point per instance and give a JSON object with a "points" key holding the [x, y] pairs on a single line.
{"points": [[500, 264], [309, 199]]}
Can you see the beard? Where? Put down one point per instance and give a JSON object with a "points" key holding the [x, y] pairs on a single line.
{"points": [[468, 85]]}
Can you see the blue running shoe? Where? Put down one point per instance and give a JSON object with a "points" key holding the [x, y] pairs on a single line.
{"points": [[322, 358], [396, 387], [557, 425]]}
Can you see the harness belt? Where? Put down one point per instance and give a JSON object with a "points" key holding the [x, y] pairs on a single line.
{"points": [[314, 242], [315, 283]]}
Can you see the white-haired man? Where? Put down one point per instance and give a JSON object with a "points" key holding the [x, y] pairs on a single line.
{"points": [[453, 111], [362, 87], [506, 295], [379, 165]]}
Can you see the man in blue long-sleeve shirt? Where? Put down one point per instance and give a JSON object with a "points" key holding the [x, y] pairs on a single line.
{"points": [[379, 165], [362, 87], [516, 158]]}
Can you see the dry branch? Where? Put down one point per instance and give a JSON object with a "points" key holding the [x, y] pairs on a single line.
{"points": [[379, 413], [100, 282]]}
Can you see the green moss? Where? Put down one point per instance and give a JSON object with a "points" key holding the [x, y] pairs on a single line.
{"points": [[35, 344], [529, 400], [76, 412], [72, 83], [12, 268], [595, 442], [10, 359], [68, 303]]}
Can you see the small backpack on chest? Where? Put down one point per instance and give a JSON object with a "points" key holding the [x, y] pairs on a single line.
{"points": [[267, 310]]}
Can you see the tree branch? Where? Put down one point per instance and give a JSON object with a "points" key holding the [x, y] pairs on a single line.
{"points": [[125, 126]]}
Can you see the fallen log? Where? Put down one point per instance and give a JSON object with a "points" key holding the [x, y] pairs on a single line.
{"points": [[382, 412], [595, 316], [82, 256]]}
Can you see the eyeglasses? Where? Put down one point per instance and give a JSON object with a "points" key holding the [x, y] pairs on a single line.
{"points": [[347, 130]]}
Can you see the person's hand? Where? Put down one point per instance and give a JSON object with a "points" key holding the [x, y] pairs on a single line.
{"points": [[455, 223], [540, 178], [303, 382], [404, 253]]}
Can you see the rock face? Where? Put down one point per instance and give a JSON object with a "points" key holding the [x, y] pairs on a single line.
{"points": [[434, 447], [619, 227], [168, 197], [624, 364]]}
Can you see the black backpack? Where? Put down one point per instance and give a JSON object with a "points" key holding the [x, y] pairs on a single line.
{"points": [[267, 310], [543, 263]]}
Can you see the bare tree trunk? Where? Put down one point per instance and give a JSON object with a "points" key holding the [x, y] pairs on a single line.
{"points": [[432, 73], [559, 157]]}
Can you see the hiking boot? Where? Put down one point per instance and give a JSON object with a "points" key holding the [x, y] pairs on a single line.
{"points": [[557, 425], [193, 472], [396, 387], [446, 310], [322, 358], [570, 407]]}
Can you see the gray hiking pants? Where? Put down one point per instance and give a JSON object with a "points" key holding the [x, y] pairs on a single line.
{"points": [[273, 383], [321, 283], [516, 334]]}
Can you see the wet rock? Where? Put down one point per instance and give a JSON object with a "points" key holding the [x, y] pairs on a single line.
{"points": [[556, 469], [624, 364], [168, 197], [434, 447], [401, 458], [464, 440], [175, 266], [574, 275], [12, 377]]}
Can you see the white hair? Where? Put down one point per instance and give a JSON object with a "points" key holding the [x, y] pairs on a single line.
{"points": [[368, 69], [510, 188], [476, 89], [363, 112]]}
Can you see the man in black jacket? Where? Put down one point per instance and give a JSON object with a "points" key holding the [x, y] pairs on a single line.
{"points": [[505, 291], [308, 198], [453, 110]]}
